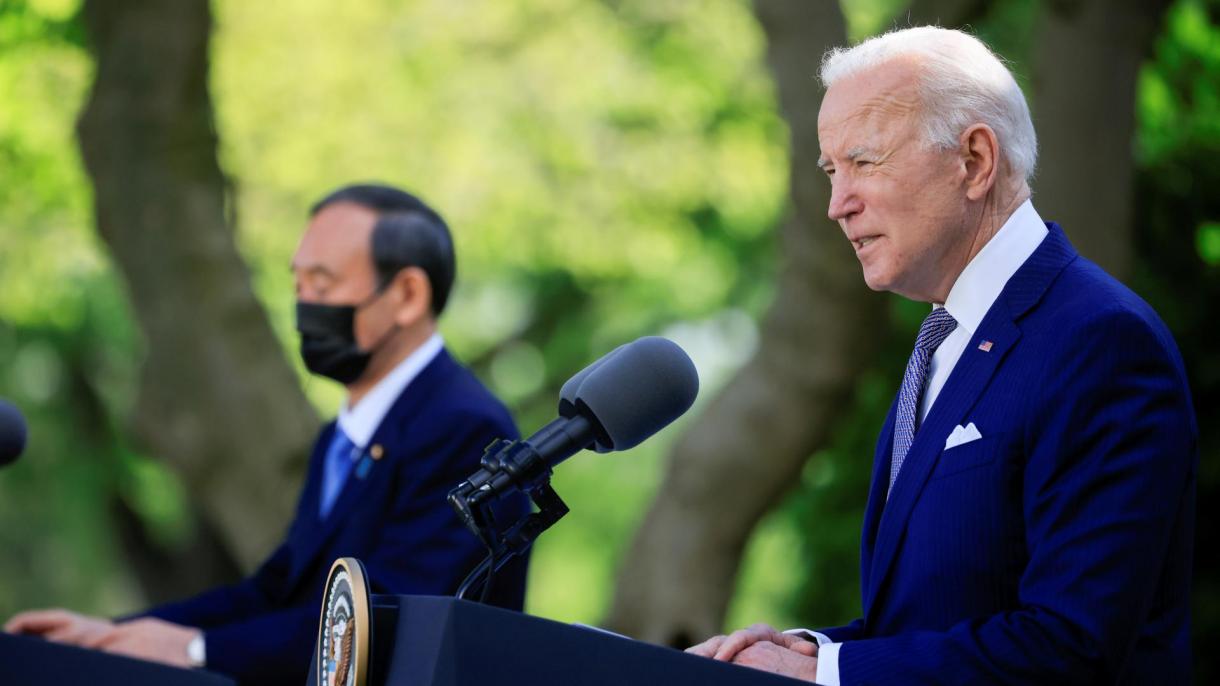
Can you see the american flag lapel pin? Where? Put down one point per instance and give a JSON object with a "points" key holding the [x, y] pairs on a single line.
{"points": [[985, 346]]}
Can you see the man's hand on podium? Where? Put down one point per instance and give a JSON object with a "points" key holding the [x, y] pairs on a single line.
{"points": [[58, 625], [148, 639], [763, 647]]}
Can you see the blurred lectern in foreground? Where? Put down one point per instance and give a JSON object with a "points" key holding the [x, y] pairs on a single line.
{"points": [[27, 661], [442, 641]]}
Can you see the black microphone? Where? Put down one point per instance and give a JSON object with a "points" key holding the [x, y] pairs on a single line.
{"points": [[613, 404], [636, 391], [567, 393], [12, 433]]}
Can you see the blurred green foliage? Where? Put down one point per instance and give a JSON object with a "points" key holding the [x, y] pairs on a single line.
{"points": [[611, 168], [590, 157]]}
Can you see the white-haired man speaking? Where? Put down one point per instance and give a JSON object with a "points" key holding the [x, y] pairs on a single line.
{"points": [[1032, 506]]}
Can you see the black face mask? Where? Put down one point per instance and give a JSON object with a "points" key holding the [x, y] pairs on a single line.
{"points": [[328, 340]]}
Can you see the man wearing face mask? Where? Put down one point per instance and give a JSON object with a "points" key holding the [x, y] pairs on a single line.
{"points": [[373, 272]]}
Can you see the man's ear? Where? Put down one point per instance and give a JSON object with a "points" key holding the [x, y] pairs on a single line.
{"points": [[980, 150], [413, 296]]}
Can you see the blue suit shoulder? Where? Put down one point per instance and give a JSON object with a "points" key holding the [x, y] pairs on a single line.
{"points": [[1085, 294], [1088, 309], [456, 399]]}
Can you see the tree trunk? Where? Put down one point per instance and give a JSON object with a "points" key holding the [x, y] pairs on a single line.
{"points": [[1086, 63], [216, 397], [749, 445]]}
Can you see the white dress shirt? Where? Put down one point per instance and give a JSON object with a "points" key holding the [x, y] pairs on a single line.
{"points": [[977, 288], [972, 295], [360, 422]]}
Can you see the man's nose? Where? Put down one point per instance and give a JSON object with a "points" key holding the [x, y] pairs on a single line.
{"points": [[844, 201], [304, 292]]}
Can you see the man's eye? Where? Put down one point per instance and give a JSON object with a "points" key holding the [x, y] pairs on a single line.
{"points": [[861, 163]]}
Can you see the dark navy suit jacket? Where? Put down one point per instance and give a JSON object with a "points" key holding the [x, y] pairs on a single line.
{"points": [[395, 520], [1056, 548]]}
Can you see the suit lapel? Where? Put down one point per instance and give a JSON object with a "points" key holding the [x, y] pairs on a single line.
{"points": [[305, 524], [961, 392], [368, 468], [312, 492], [966, 383], [876, 497]]}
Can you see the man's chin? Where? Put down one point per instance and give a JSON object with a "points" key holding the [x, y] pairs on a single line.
{"points": [[877, 282]]}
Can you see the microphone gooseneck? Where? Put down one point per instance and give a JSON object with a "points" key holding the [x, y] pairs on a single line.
{"points": [[615, 403]]}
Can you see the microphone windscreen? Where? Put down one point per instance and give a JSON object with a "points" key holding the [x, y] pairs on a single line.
{"points": [[638, 390], [567, 394], [12, 432]]}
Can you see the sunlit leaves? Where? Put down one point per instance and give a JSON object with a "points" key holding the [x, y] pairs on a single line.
{"points": [[554, 135], [1207, 242], [610, 169], [1179, 102], [46, 244]]}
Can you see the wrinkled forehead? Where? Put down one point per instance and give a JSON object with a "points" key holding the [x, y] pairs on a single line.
{"points": [[879, 102]]}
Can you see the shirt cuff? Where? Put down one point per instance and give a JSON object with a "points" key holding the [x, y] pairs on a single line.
{"points": [[828, 656], [197, 651], [828, 664]]}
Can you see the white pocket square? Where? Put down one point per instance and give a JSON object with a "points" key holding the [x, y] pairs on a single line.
{"points": [[962, 434]]}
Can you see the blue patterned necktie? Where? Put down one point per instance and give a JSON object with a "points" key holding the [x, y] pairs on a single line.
{"points": [[934, 330], [338, 464]]}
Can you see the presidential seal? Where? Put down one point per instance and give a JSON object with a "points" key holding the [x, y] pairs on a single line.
{"points": [[343, 634]]}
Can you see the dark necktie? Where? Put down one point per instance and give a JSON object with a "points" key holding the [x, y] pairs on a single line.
{"points": [[938, 325]]}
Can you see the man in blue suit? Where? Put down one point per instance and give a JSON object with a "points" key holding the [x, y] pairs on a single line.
{"points": [[1032, 506], [373, 272]]}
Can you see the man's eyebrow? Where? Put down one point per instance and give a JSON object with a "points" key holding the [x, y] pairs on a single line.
{"points": [[851, 156], [856, 152], [313, 269]]}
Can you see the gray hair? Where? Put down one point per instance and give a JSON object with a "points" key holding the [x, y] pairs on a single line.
{"points": [[961, 83]]}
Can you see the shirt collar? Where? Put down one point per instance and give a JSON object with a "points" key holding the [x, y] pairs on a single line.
{"points": [[981, 282], [360, 422]]}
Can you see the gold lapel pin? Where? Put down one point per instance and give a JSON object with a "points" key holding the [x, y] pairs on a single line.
{"points": [[376, 451]]}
